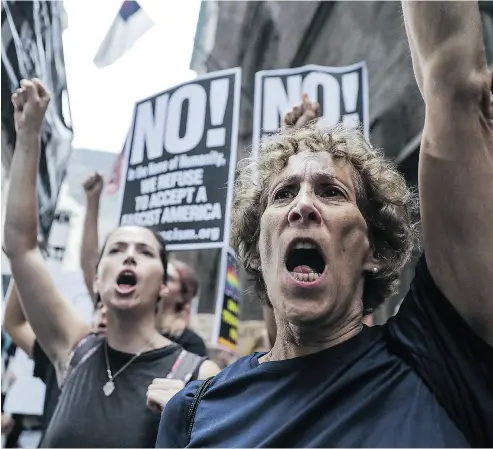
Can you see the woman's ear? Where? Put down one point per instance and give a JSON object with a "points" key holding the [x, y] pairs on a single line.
{"points": [[374, 265]]}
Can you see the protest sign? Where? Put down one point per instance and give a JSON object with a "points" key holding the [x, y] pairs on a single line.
{"points": [[57, 243], [180, 159], [32, 47], [228, 304], [341, 91]]}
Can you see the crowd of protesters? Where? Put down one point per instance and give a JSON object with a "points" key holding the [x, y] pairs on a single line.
{"points": [[323, 224]]}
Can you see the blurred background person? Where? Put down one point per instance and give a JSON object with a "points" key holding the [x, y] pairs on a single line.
{"points": [[173, 315]]}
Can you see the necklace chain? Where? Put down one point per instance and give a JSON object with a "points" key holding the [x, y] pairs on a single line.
{"points": [[108, 370], [109, 386]]}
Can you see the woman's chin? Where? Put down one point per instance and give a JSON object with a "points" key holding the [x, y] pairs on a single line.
{"points": [[124, 303], [302, 312]]}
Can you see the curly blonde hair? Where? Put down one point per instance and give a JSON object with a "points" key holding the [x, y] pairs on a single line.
{"points": [[384, 199]]}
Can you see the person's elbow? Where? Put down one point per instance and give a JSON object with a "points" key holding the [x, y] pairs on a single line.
{"points": [[208, 369], [17, 244], [22, 335], [444, 77]]}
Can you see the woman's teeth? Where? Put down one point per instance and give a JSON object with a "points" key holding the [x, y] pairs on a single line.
{"points": [[304, 245], [305, 277]]}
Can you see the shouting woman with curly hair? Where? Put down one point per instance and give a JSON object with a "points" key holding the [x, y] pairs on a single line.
{"points": [[324, 225]]}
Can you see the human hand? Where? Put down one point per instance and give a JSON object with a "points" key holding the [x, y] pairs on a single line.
{"points": [[93, 186], [30, 102], [161, 391], [302, 114]]}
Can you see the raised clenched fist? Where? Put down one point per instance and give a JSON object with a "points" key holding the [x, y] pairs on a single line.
{"points": [[161, 391], [30, 103], [93, 186], [302, 114]]}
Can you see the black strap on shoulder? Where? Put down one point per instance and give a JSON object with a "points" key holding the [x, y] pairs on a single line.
{"points": [[84, 349], [186, 366], [195, 404]]}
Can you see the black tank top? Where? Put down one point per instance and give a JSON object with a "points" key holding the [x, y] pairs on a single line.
{"points": [[85, 417]]}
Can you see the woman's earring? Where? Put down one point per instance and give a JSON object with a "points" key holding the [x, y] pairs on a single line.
{"points": [[374, 270]]}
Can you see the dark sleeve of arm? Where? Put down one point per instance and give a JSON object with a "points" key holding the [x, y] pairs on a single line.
{"points": [[41, 362], [174, 422], [451, 358]]}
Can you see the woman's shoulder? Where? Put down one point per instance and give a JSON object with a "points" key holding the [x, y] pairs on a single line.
{"points": [[185, 397]]}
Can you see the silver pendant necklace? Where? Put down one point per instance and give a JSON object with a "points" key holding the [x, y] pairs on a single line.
{"points": [[109, 386]]}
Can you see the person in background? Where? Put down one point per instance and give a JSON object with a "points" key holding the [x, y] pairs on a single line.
{"points": [[182, 285], [222, 356], [111, 370], [174, 308], [261, 343], [89, 252]]}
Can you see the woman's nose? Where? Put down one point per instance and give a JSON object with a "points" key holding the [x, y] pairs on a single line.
{"points": [[304, 211], [130, 256]]}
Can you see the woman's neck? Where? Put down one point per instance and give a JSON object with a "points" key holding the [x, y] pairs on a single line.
{"points": [[297, 341], [131, 334], [290, 345]]}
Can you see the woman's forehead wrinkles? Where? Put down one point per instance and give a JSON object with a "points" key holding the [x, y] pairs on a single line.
{"points": [[312, 166]]}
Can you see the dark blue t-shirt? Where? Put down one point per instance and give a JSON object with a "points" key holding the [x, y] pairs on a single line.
{"points": [[424, 379]]}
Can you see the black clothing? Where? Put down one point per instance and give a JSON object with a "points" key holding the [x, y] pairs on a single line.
{"points": [[190, 341], [85, 417], [44, 370], [424, 379]]}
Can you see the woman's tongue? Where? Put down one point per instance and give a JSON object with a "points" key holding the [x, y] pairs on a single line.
{"points": [[126, 288], [304, 273]]}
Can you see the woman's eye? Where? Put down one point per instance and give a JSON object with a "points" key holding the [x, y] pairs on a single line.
{"points": [[283, 194], [331, 192], [113, 251], [147, 253]]}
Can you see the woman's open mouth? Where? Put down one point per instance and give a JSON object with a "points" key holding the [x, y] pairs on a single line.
{"points": [[126, 282], [305, 262]]}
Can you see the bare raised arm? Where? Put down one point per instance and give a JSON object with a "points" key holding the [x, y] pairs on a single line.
{"points": [[16, 324], [56, 323], [456, 160], [93, 186]]}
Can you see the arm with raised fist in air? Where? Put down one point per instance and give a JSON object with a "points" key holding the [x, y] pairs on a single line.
{"points": [[93, 186], [456, 156], [55, 321]]}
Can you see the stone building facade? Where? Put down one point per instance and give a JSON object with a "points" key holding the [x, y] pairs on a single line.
{"points": [[275, 34]]}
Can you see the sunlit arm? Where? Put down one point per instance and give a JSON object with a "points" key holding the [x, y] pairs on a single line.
{"points": [[54, 320], [90, 243]]}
